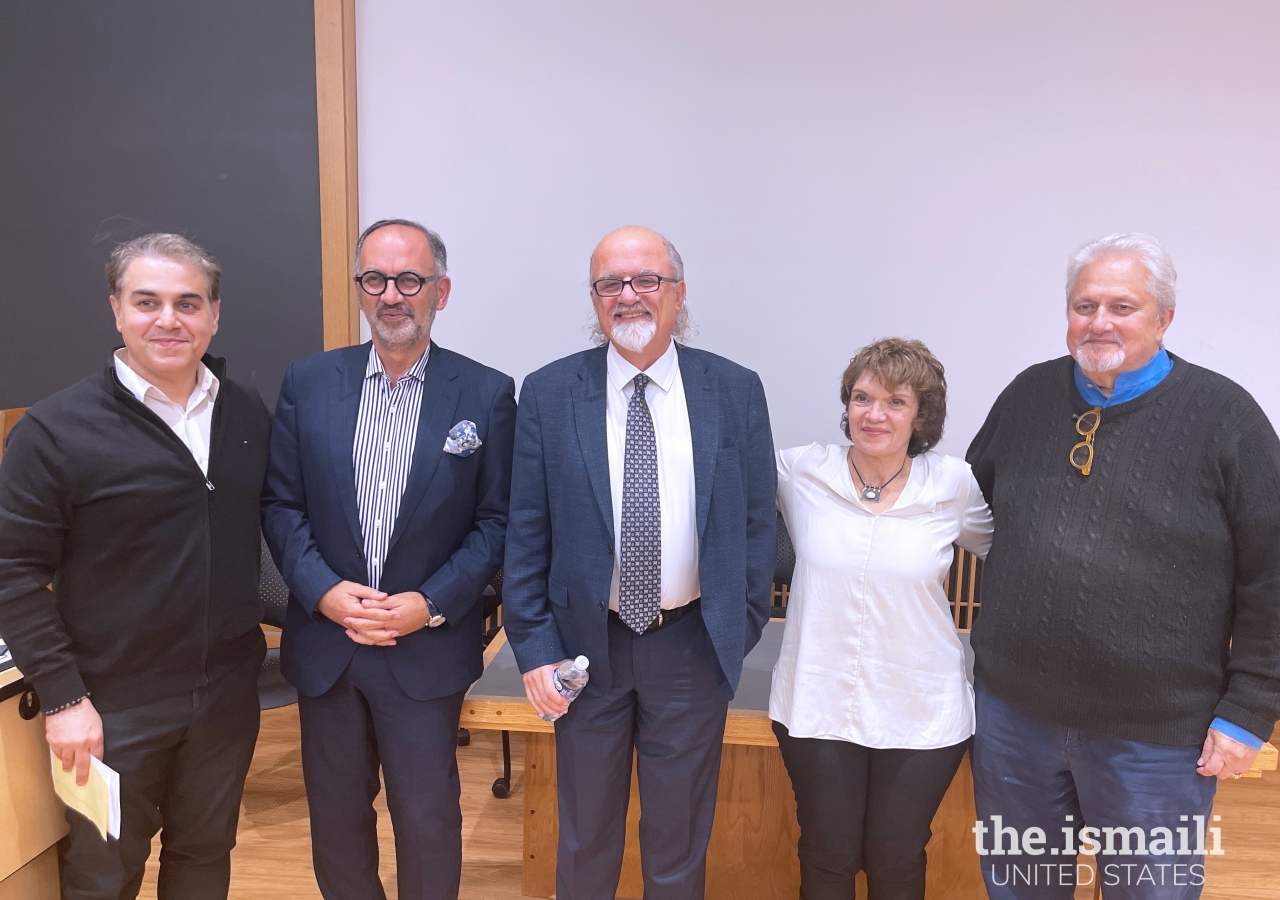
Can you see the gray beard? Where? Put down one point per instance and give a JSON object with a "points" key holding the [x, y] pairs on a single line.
{"points": [[405, 336], [634, 336], [1100, 357]]}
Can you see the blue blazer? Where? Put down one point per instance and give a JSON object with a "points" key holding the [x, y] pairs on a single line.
{"points": [[559, 560], [448, 537]]}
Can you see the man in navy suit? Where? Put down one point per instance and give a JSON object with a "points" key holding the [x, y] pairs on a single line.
{"points": [[386, 509], [641, 536]]}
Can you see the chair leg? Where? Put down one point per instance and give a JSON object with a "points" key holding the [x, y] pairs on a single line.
{"points": [[502, 786]]}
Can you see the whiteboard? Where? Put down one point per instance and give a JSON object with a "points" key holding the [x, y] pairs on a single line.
{"points": [[833, 173]]}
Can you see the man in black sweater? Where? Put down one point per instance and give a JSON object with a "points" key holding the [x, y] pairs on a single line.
{"points": [[135, 494], [1128, 651]]}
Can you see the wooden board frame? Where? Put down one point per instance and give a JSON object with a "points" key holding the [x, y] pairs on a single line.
{"points": [[339, 173]]}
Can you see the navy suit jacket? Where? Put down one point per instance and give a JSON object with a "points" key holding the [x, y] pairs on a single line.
{"points": [[449, 533], [559, 559]]}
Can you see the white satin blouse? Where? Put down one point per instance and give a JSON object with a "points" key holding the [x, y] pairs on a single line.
{"points": [[870, 652]]}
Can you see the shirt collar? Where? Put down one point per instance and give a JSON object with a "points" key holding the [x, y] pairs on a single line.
{"points": [[207, 383], [1129, 385], [662, 373], [374, 366]]}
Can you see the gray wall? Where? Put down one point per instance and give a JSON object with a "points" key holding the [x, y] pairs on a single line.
{"points": [[126, 117], [834, 172]]}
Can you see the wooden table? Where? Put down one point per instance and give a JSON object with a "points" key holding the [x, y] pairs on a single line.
{"points": [[32, 818], [753, 841]]}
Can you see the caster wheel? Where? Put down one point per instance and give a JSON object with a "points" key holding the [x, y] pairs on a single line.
{"points": [[464, 737], [502, 789]]}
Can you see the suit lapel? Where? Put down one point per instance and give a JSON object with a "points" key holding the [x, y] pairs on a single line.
{"points": [[439, 402], [342, 433], [590, 414], [702, 397]]}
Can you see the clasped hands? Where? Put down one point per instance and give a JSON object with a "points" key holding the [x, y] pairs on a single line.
{"points": [[374, 617]]}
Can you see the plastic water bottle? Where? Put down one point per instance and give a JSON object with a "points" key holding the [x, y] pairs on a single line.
{"points": [[569, 678]]}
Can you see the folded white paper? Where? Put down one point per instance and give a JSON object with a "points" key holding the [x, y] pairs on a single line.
{"points": [[99, 799]]}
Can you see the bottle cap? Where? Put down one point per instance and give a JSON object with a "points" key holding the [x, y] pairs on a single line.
{"points": [[582, 662]]}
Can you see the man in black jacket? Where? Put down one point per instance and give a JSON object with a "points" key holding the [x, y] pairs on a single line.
{"points": [[135, 493]]}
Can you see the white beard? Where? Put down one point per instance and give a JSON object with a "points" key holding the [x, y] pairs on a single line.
{"points": [[1100, 356], [634, 336]]}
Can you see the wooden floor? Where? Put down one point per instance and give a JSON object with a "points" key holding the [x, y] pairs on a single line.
{"points": [[273, 858]]}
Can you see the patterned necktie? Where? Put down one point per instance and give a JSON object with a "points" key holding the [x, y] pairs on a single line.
{"points": [[640, 584]]}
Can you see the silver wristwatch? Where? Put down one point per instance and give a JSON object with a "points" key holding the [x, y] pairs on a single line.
{"points": [[436, 619]]}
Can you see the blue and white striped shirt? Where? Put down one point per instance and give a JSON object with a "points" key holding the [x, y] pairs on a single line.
{"points": [[386, 432]]}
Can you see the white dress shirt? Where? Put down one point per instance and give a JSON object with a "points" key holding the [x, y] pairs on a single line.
{"points": [[192, 424], [676, 492], [870, 653]]}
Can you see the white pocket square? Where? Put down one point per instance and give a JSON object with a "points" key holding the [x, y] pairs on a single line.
{"points": [[462, 439]]}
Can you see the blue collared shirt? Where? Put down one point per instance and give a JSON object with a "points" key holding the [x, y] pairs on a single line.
{"points": [[1130, 385]]}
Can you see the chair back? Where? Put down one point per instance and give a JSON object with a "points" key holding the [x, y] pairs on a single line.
{"points": [[963, 584], [272, 589], [491, 604], [784, 567]]}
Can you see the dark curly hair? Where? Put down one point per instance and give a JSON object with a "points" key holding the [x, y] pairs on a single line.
{"points": [[895, 362]]}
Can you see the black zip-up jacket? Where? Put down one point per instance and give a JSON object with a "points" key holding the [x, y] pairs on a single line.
{"points": [[153, 566]]}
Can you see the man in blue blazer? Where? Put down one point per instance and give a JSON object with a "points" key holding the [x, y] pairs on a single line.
{"points": [[386, 510], [641, 536]]}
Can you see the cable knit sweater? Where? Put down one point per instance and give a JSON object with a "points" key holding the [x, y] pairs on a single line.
{"points": [[1143, 600]]}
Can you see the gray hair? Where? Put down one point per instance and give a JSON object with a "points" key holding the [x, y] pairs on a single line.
{"points": [[685, 329], [438, 254], [160, 245], [1162, 278]]}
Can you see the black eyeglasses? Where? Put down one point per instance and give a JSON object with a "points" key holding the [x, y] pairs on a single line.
{"points": [[374, 283], [641, 284]]}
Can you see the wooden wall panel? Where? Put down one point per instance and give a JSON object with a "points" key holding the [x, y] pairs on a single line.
{"points": [[8, 418], [339, 175]]}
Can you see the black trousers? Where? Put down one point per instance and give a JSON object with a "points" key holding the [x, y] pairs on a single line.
{"points": [[365, 721], [665, 703], [864, 809], [182, 763]]}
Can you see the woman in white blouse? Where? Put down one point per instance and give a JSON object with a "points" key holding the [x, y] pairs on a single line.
{"points": [[871, 701]]}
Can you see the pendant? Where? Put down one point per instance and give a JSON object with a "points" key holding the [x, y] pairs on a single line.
{"points": [[870, 493]]}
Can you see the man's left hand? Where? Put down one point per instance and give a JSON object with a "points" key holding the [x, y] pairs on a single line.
{"points": [[412, 607], [1224, 757]]}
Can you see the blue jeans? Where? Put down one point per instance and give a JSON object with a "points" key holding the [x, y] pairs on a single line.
{"points": [[1034, 782]]}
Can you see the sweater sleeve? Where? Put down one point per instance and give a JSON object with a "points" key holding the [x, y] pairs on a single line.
{"points": [[1251, 479], [980, 455], [35, 517]]}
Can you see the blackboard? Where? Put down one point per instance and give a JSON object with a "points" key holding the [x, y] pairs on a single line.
{"points": [[126, 117]]}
